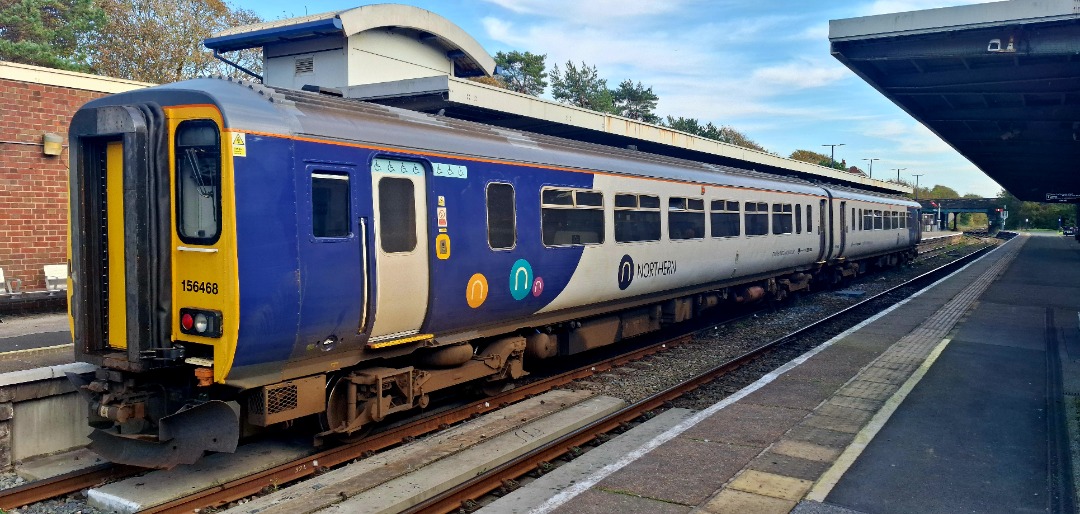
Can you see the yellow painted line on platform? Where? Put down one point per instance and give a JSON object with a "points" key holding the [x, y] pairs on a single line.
{"points": [[830, 478], [15, 354]]}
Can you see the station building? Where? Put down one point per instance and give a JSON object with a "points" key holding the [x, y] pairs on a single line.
{"points": [[38, 105]]}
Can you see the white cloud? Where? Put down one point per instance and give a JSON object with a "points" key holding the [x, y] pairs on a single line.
{"points": [[587, 12], [800, 74], [898, 6]]}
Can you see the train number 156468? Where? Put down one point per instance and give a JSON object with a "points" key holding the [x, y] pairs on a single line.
{"points": [[196, 286]]}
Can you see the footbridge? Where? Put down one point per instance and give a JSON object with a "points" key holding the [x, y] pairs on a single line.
{"points": [[943, 208]]}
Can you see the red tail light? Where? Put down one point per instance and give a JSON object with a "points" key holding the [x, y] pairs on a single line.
{"points": [[200, 322]]}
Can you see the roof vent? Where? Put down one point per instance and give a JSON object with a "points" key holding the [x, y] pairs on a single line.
{"points": [[305, 65]]}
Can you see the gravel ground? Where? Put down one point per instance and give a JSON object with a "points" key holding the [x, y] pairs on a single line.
{"points": [[712, 347], [708, 348]]}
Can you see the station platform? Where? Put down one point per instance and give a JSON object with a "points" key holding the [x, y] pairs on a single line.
{"points": [[950, 401]]}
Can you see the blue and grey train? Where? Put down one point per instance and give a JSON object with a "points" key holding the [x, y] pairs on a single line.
{"points": [[244, 256]]}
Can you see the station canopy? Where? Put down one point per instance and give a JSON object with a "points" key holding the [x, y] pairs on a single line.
{"points": [[412, 58], [999, 82]]}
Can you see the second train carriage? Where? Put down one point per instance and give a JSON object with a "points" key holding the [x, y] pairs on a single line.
{"points": [[244, 256]]}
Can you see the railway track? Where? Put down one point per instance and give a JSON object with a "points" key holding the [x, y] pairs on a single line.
{"points": [[317, 462], [462, 498]]}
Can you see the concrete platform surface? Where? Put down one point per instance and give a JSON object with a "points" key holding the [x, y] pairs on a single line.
{"points": [[537, 492], [797, 431], [976, 434], [477, 444]]}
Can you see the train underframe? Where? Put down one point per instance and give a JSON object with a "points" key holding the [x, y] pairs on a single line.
{"points": [[179, 414]]}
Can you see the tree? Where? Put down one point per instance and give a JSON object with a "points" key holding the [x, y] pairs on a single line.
{"points": [[729, 135], [522, 72], [723, 134], [808, 156], [50, 33], [582, 87], [817, 158], [1038, 215], [161, 40], [941, 192], [635, 101], [493, 81]]}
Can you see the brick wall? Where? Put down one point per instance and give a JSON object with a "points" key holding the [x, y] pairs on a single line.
{"points": [[34, 186]]}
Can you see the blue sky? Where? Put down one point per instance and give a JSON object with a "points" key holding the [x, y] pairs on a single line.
{"points": [[760, 66]]}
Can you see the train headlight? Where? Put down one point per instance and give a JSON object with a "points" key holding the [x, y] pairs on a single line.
{"points": [[200, 322]]}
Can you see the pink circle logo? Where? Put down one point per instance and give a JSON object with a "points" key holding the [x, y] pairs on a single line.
{"points": [[538, 287]]}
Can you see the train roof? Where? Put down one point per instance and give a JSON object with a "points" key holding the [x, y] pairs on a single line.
{"points": [[256, 108]]}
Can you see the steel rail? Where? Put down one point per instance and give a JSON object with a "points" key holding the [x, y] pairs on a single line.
{"points": [[40, 490], [274, 477], [218, 495], [459, 497]]}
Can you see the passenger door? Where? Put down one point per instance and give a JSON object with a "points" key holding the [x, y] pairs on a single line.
{"points": [[823, 242], [401, 248], [332, 281], [843, 229]]}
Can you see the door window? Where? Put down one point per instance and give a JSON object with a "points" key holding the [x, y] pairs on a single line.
{"points": [[397, 215], [330, 205]]}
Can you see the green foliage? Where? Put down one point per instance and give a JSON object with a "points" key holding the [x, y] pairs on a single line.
{"points": [[941, 192], [723, 134], [819, 158], [809, 156], [1036, 214], [161, 40], [50, 33], [522, 71], [582, 87], [635, 101]]}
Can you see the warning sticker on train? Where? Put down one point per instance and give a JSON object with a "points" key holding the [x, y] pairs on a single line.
{"points": [[239, 144]]}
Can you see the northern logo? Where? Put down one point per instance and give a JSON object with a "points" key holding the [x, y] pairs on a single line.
{"points": [[626, 272]]}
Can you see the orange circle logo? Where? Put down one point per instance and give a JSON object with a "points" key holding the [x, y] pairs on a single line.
{"points": [[477, 290]]}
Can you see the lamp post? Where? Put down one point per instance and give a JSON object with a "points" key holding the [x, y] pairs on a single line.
{"points": [[917, 175], [898, 170], [870, 168], [832, 152]]}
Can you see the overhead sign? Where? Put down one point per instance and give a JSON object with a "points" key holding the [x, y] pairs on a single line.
{"points": [[1062, 197]]}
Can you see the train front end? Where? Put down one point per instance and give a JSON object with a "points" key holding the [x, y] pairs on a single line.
{"points": [[153, 282]]}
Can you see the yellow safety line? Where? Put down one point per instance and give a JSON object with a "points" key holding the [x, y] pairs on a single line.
{"points": [[830, 478]]}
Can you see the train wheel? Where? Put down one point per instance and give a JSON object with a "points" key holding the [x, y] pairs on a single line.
{"points": [[333, 418]]}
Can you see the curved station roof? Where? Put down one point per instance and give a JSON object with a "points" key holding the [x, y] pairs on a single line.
{"points": [[414, 59], [999, 82]]}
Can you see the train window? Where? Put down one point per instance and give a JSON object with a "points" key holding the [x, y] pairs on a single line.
{"points": [[557, 197], [629, 201], [756, 218], [853, 218], [397, 214], [330, 205], [903, 220], [686, 218], [724, 217], [798, 219], [637, 218], [868, 220], [198, 182], [877, 220], [809, 219], [571, 217], [501, 217], [781, 218]]}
